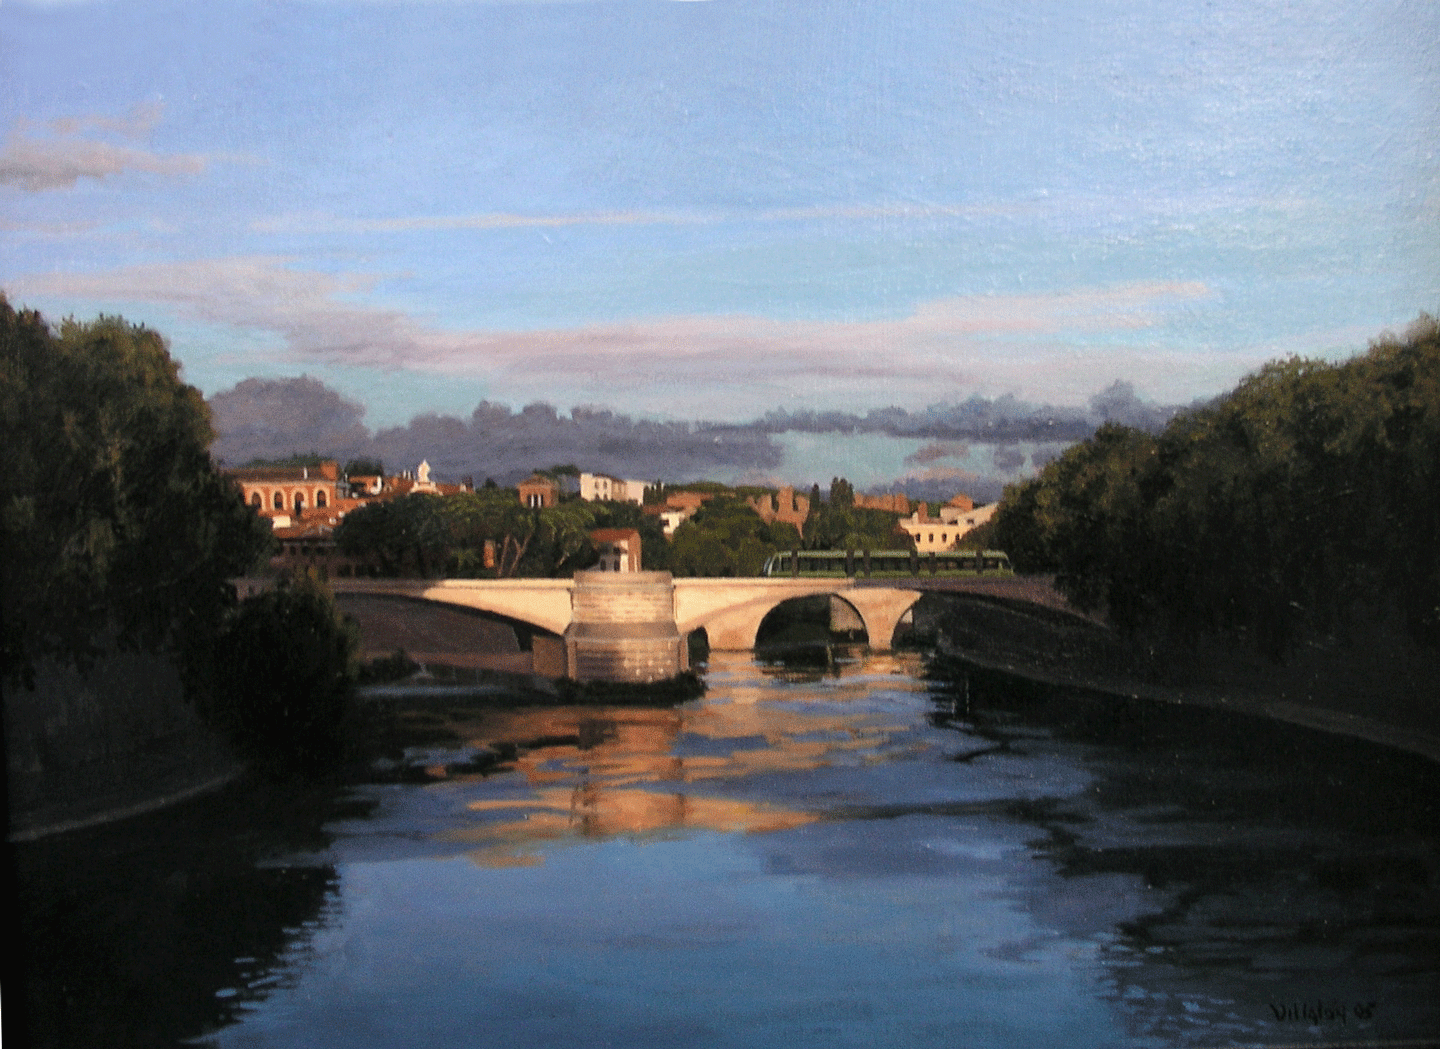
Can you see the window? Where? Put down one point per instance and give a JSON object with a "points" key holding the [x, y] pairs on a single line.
{"points": [[320, 497], [255, 500], [279, 501], [299, 501]]}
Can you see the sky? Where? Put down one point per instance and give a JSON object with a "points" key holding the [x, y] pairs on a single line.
{"points": [[715, 210]]}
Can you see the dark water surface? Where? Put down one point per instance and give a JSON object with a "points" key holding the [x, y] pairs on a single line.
{"points": [[852, 855]]}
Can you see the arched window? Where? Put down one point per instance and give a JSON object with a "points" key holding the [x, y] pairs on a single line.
{"points": [[319, 497], [255, 500], [299, 501], [279, 501]]}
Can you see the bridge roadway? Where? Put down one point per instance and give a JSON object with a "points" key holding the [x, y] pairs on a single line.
{"points": [[729, 610]]}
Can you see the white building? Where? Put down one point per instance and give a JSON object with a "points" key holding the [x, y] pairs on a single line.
{"points": [[944, 534], [604, 488]]}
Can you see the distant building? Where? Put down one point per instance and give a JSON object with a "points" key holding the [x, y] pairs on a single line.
{"points": [[957, 519], [685, 500], [288, 489], [956, 508], [364, 485], [896, 503], [619, 549], [538, 491], [671, 517], [784, 506], [417, 483], [604, 488]]}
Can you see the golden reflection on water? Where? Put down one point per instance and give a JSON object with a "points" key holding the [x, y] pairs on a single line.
{"points": [[602, 772]]}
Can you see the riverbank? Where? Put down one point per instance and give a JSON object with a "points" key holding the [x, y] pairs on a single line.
{"points": [[1374, 688], [81, 750]]}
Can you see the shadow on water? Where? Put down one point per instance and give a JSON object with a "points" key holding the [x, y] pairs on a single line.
{"points": [[165, 927], [1272, 856]]}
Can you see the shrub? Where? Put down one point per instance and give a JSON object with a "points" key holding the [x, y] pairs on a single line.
{"points": [[282, 678]]}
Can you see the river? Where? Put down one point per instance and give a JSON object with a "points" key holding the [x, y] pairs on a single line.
{"points": [[846, 855]]}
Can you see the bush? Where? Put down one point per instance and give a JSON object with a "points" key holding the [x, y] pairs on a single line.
{"points": [[282, 678]]}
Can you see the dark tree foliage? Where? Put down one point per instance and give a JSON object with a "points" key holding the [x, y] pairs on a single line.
{"points": [[282, 676], [364, 468], [846, 527], [427, 536], [1306, 497], [115, 524], [405, 536], [726, 537]]}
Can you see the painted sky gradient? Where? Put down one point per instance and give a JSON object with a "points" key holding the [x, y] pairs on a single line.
{"points": [[716, 209]]}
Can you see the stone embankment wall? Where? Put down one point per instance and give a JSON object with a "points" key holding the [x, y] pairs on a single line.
{"points": [[121, 738], [623, 628]]}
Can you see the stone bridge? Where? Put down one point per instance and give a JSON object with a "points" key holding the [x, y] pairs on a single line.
{"points": [[728, 610], [634, 626]]}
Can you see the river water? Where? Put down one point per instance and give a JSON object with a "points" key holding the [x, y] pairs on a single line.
{"points": [[845, 855]]}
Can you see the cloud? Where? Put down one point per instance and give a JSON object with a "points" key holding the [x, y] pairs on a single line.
{"points": [[965, 341], [274, 418], [139, 122], [482, 221], [939, 484], [1007, 458], [1118, 403], [935, 451], [60, 156]]}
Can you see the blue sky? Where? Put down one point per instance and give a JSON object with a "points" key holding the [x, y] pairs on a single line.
{"points": [[714, 209]]}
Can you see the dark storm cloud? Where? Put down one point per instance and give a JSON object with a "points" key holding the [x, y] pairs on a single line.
{"points": [[998, 420], [275, 418]]}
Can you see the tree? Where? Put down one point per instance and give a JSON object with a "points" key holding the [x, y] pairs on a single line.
{"points": [[364, 468], [282, 676], [725, 537], [1307, 497], [116, 525], [404, 535]]}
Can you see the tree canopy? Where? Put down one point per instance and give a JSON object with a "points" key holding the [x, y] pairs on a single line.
{"points": [[116, 524], [1307, 496]]}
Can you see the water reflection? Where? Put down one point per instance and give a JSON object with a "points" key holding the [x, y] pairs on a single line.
{"points": [[1291, 879], [850, 854], [600, 772], [164, 927]]}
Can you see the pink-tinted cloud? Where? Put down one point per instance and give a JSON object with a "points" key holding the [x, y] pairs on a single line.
{"points": [[957, 342], [481, 221], [65, 151], [937, 450]]}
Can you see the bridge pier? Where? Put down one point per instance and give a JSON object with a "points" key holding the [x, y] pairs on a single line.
{"points": [[881, 610], [623, 628]]}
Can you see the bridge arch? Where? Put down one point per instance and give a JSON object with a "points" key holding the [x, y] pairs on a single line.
{"points": [[542, 603], [732, 610]]}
